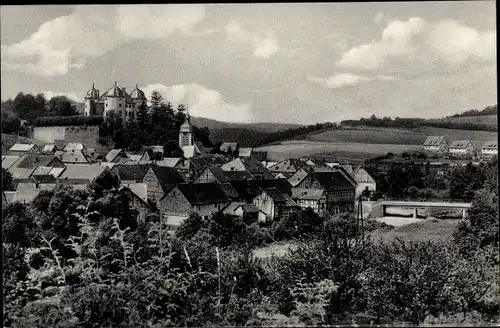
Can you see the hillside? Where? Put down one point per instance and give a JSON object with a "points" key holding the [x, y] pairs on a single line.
{"points": [[259, 127], [245, 137], [491, 120]]}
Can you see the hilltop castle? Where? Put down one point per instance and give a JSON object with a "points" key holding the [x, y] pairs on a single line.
{"points": [[115, 99]]}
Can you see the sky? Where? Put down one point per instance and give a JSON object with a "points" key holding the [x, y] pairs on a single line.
{"points": [[285, 63]]}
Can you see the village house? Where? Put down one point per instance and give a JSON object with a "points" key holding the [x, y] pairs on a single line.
{"points": [[364, 182], [74, 146], [130, 173], [26, 192], [275, 204], [436, 144], [247, 190], [245, 210], [339, 190], [298, 176], [160, 180], [168, 162], [137, 193], [21, 149], [49, 149], [229, 148], [115, 155], [140, 156], [211, 173], [81, 174], [73, 156], [29, 161], [245, 152], [191, 167], [489, 149], [461, 148], [185, 199], [257, 170], [9, 160], [313, 198], [287, 167]]}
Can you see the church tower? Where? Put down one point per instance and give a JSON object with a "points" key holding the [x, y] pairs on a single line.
{"points": [[186, 133]]}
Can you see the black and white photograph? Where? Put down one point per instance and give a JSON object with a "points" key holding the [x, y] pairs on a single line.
{"points": [[250, 165]]}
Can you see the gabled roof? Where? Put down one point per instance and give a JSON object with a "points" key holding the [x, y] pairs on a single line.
{"points": [[226, 146], [9, 161], [332, 180], [26, 192], [219, 174], [85, 172], [130, 172], [362, 176], [280, 176], [22, 147], [190, 151], [42, 170], [49, 148], [248, 189], [247, 208], [203, 193], [167, 177], [9, 196], [247, 164], [307, 194], [460, 144], [74, 146], [60, 144], [214, 159], [44, 178], [238, 175], [76, 156], [297, 177], [138, 189], [200, 147], [56, 171], [245, 152], [33, 160], [434, 140], [490, 145], [168, 162], [113, 153], [275, 194], [229, 190], [289, 165], [19, 173]]}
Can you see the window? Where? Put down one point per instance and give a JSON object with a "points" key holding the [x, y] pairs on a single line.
{"points": [[106, 104], [120, 105]]}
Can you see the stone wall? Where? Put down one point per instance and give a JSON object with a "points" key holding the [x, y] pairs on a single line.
{"points": [[88, 135]]}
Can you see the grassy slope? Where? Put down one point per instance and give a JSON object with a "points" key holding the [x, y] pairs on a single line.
{"points": [[259, 127], [430, 229], [487, 119], [364, 142]]}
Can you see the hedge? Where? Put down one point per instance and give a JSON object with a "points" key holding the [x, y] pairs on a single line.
{"points": [[68, 120]]}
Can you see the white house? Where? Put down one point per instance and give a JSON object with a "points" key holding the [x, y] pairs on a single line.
{"points": [[490, 148], [461, 148], [436, 144]]}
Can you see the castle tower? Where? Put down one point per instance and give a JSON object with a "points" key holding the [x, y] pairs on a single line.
{"points": [[186, 133], [91, 99], [138, 99]]}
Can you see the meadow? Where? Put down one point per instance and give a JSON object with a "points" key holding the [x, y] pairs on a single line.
{"points": [[358, 143]]}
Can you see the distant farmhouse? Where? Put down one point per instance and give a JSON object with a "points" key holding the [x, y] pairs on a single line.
{"points": [[436, 144], [461, 148], [490, 148]]}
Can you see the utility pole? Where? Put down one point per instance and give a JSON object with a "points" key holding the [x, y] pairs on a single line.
{"points": [[359, 219]]}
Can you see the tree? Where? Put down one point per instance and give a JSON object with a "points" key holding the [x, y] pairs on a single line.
{"points": [[7, 180], [142, 115], [61, 106], [18, 226]]}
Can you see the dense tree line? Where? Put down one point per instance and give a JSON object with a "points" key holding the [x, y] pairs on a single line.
{"points": [[409, 123], [417, 180], [489, 110], [80, 258], [294, 133]]}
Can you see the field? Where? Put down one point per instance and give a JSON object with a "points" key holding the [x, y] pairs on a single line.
{"points": [[365, 142], [428, 229], [487, 119]]}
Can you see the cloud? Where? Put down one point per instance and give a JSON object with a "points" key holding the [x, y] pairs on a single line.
{"points": [[451, 41], [67, 42], [340, 80], [378, 17], [347, 79], [456, 43], [202, 102], [71, 96], [263, 47], [396, 41]]}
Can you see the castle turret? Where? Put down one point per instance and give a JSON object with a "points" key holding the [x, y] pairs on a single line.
{"points": [[91, 99]]}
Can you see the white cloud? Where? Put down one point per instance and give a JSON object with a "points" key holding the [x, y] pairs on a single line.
{"points": [[396, 40], [340, 80], [202, 102], [452, 42], [378, 17], [51, 94], [263, 47], [91, 31], [456, 43]]}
